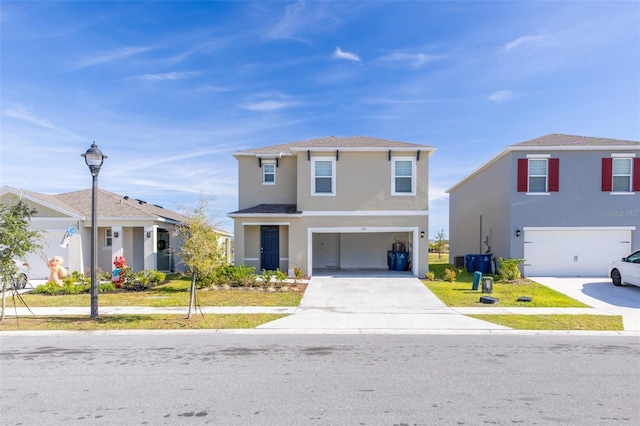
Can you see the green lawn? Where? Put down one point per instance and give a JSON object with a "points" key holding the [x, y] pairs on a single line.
{"points": [[460, 293], [555, 322], [138, 322], [173, 293]]}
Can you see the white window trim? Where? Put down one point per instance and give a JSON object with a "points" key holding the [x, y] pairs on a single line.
{"points": [[333, 177], [546, 176], [630, 175], [270, 162], [108, 235], [413, 176]]}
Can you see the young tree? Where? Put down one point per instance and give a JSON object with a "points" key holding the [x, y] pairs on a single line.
{"points": [[440, 243], [200, 248], [16, 241]]}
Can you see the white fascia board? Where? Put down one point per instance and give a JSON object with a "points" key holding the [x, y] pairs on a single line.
{"points": [[429, 149], [578, 228], [266, 223], [45, 204], [263, 155], [233, 215], [321, 213]]}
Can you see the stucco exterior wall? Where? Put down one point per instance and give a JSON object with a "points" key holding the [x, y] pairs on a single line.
{"points": [[479, 211], [363, 182], [251, 190], [580, 202]]}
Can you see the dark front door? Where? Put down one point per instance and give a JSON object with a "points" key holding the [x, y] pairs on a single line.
{"points": [[269, 248]]}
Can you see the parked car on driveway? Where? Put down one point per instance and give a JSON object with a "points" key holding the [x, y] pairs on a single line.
{"points": [[626, 270]]}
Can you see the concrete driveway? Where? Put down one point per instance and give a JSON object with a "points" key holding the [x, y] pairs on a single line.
{"points": [[600, 293], [368, 300]]}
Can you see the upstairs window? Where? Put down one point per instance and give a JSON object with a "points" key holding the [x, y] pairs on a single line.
{"points": [[538, 175], [323, 176], [403, 176], [621, 174], [268, 173]]}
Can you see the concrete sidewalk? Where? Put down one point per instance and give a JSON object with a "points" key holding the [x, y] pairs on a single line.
{"points": [[392, 304]]}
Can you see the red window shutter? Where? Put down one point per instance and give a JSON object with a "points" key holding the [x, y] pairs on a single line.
{"points": [[636, 174], [607, 177], [554, 174], [523, 174]]}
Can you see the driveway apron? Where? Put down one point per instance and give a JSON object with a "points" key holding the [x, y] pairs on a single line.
{"points": [[373, 301]]}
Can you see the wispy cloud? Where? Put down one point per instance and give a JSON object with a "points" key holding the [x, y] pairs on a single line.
{"points": [[414, 59], [523, 40], [349, 56], [111, 56], [269, 101], [168, 76], [298, 17], [501, 96], [21, 113]]}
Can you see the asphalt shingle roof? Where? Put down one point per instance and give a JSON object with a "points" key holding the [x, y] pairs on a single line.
{"points": [[335, 142], [556, 139], [269, 209]]}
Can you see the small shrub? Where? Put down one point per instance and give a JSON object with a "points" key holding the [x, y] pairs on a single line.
{"points": [[267, 276], [105, 288], [449, 275], [280, 277], [297, 274], [431, 276], [509, 270]]}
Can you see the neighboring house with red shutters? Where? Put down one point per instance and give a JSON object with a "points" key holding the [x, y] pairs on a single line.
{"points": [[568, 205]]}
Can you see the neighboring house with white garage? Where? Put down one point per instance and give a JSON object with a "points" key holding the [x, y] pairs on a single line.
{"points": [[133, 228], [567, 205], [332, 203]]}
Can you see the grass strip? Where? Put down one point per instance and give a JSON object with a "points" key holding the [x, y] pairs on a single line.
{"points": [[138, 322], [555, 322], [459, 293], [168, 295]]}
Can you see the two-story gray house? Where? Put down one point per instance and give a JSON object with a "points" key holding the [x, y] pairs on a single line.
{"points": [[567, 205], [332, 203]]}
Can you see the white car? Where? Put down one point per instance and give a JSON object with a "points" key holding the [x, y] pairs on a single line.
{"points": [[626, 270]]}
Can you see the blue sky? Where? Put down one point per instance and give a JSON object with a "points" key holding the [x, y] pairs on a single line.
{"points": [[168, 90]]}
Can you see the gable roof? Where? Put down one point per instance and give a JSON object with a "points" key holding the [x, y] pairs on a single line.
{"points": [[115, 206], [555, 142], [353, 143], [50, 201], [110, 205], [560, 140]]}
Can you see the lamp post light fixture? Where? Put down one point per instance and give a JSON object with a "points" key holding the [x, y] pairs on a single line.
{"points": [[94, 158]]}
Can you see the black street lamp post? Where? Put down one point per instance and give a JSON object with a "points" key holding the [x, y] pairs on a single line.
{"points": [[94, 158]]}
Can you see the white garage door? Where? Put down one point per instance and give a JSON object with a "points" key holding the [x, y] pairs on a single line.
{"points": [[573, 252], [38, 269]]}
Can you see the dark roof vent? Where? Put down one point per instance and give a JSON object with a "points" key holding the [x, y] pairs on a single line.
{"points": [[126, 197], [160, 207], [141, 201]]}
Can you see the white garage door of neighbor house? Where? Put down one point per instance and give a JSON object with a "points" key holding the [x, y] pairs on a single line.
{"points": [[38, 269], [577, 253]]}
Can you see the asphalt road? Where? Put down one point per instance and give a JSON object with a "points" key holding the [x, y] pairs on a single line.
{"points": [[256, 379]]}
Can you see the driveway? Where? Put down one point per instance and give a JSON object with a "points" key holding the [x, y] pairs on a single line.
{"points": [[368, 300], [600, 293]]}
